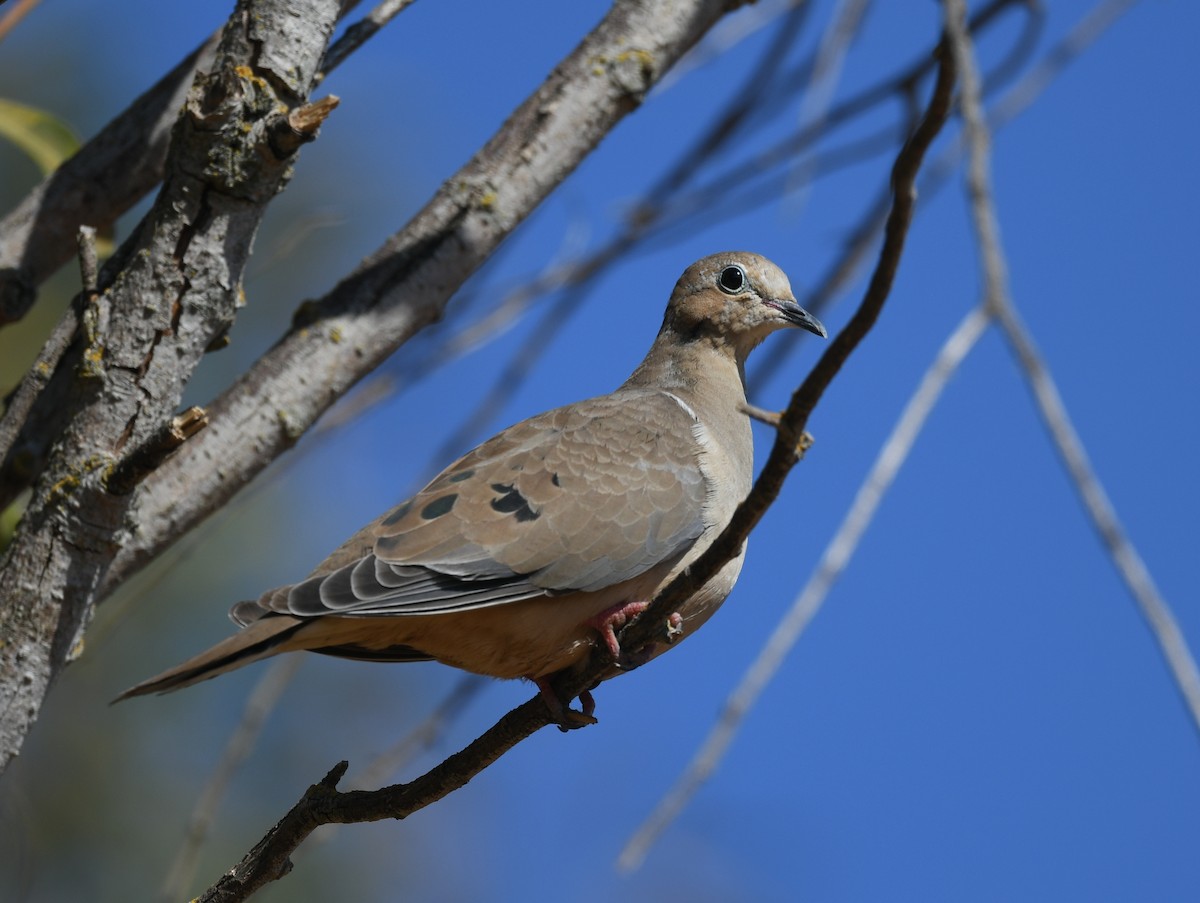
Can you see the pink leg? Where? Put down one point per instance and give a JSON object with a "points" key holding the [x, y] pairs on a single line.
{"points": [[610, 621]]}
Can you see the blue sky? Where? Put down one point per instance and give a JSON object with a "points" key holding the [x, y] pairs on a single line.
{"points": [[977, 713]]}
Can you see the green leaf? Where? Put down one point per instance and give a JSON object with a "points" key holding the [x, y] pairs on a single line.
{"points": [[45, 138]]}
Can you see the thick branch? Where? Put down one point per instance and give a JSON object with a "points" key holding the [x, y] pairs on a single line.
{"points": [[115, 388]]}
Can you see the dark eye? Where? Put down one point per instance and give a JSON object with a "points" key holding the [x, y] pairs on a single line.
{"points": [[732, 279]]}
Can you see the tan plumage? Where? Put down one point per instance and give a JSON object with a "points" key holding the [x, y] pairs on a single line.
{"points": [[528, 550]]}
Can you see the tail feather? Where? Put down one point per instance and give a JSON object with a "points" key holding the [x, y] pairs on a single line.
{"points": [[259, 640]]}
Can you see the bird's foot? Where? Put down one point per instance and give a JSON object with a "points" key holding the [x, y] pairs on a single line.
{"points": [[674, 627], [672, 631], [567, 718], [608, 622]]}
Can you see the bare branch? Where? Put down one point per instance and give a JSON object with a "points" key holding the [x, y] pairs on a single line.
{"points": [[834, 560], [360, 32], [844, 24], [324, 804], [1154, 608], [89, 264], [15, 14], [260, 703]]}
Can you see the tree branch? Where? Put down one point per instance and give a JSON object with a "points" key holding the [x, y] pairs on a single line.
{"points": [[114, 391], [323, 803]]}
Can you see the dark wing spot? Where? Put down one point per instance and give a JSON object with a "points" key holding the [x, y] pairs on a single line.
{"points": [[510, 501], [459, 477], [398, 515], [439, 506], [554, 479]]}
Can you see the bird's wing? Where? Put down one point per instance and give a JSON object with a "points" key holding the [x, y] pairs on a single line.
{"points": [[574, 500]]}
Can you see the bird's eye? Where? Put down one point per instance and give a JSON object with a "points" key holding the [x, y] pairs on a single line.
{"points": [[733, 279]]}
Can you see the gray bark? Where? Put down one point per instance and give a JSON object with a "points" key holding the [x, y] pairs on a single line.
{"points": [[162, 299]]}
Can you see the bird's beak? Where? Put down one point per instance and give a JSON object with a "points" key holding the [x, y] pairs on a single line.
{"points": [[798, 316]]}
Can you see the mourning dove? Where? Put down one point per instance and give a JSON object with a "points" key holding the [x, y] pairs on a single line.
{"points": [[529, 550]]}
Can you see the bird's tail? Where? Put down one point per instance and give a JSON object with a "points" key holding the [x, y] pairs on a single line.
{"points": [[260, 639]]}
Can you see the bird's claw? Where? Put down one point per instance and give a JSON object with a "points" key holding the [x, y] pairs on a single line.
{"points": [[672, 631], [565, 717]]}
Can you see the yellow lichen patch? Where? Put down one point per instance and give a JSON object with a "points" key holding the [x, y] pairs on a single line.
{"points": [[643, 57], [488, 200], [62, 489], [92, 364], [336, 335], [248, 74]]}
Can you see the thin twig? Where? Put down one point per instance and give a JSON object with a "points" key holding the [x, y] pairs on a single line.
{"points": [[892, 455], [259, 705], [844, 24], [1096, 22], [1014, 102], [359, 33], [89, 265], [424, 735], [13, 17], [1129, 564], [727, 35]]}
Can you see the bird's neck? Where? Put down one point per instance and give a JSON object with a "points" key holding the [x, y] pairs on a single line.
{"points": [[683, 366]]}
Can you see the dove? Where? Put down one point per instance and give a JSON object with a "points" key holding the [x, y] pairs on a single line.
{"points": [[544, 541]]}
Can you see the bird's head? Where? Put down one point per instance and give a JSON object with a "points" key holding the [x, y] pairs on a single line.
{"points": [[735, 299]]}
